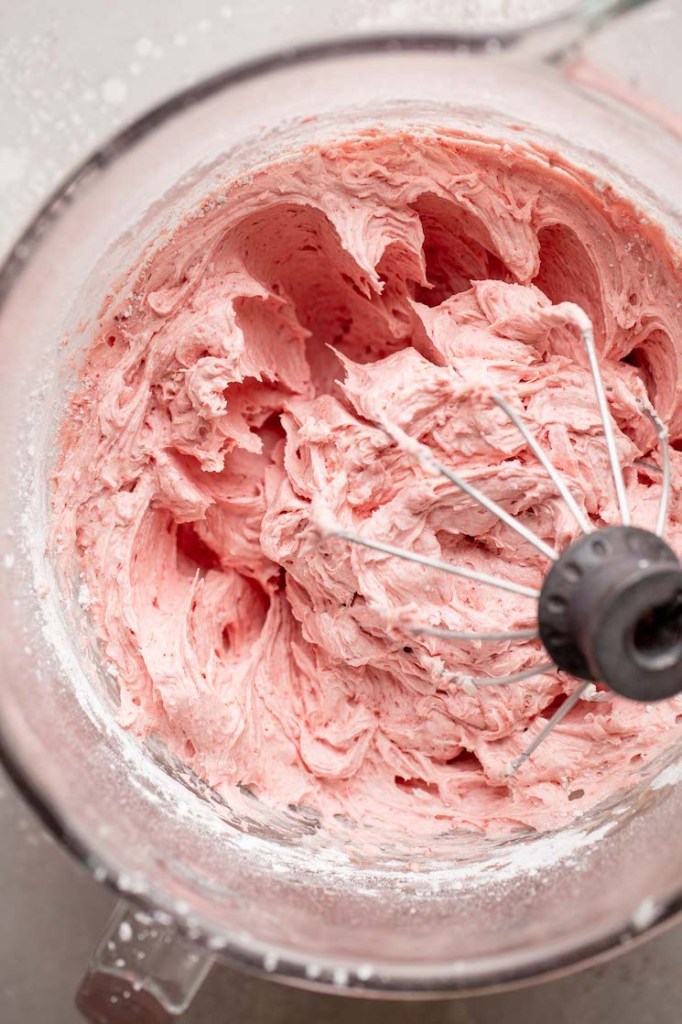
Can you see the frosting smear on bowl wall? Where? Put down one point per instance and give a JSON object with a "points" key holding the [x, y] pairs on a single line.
{"points": [[233, 397]]}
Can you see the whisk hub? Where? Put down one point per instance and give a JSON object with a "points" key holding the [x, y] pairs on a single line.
{"points": [[610, 609]]}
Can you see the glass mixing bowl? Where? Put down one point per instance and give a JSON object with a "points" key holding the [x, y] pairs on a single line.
{"points": [[276, 892]]}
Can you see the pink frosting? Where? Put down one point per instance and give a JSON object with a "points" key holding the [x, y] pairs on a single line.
{"points": [[231, 396]]}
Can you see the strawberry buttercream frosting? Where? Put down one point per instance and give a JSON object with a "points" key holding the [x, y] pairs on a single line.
{"points": [[234, 396]]}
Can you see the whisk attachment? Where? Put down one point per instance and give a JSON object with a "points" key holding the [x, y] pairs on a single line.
{"points": [[610, 606], [611, 610]]}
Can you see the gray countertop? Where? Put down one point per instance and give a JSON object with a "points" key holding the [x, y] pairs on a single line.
{"points": [[71, 72]]}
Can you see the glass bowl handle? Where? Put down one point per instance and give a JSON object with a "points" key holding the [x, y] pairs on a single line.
{"points": [[556, 39], [142, 972]]}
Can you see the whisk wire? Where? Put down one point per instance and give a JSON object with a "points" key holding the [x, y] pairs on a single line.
{"points": [[432, 563], [513, 677], [557, 717], [584, 325], [664, 444], [540, 454], [468, 634], [422, 453]]}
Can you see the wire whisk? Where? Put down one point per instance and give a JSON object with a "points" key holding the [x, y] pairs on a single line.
{"points": [[609, 587]]}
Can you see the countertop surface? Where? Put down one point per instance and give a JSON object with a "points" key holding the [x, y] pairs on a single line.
{"points": [[72, 72]]}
